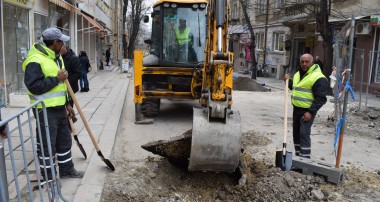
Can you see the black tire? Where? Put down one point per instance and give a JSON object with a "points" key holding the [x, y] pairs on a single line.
{"points": [[150, 108]]}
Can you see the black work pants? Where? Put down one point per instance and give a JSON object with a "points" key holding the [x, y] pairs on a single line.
{"points": [[301, 133], [60, 140], [107, 60]]}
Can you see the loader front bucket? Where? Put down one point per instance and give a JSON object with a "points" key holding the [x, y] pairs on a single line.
{"points": [[215, 146]]}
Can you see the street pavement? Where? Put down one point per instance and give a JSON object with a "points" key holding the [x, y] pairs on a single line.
{"points": [[102, 107]]}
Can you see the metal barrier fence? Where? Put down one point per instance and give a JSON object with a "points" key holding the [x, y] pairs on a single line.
{"points": [[20, 153], [339, 77]]}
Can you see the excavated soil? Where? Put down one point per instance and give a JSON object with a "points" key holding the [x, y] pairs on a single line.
{"points": [[248, 84], [156, 179]]}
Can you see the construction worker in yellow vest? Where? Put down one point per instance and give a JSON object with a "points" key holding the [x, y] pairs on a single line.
{"points": [[184, 43], [309, 89], [44, 77]]}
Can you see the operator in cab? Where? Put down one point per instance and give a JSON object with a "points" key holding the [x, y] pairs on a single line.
{"points": [[184, 43]]}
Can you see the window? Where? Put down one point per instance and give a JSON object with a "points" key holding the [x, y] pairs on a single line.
{"points": [[235, 12], [278, 41], [260, 41], [279, 4], [261, 6], [305, 1], [377, 74], [16, 45], [40, 24]]}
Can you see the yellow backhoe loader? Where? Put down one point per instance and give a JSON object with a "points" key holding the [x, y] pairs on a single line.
{"points": [[189, 59]]}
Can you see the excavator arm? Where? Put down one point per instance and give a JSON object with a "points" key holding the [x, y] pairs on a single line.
{"points": [[216, 132]]}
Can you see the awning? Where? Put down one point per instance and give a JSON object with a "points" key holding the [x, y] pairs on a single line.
{"points": [[65, 5], [96, 25]]}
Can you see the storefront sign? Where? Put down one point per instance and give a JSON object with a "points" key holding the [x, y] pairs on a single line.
{"points": [[21, 3], [375, 20]]}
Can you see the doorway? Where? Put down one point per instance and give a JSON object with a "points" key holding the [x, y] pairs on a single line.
{"points": [[299, 49]]}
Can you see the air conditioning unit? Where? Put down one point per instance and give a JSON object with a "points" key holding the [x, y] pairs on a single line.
{"points": [[363, 28]]}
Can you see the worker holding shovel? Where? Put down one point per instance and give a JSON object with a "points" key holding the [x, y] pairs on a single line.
{"points": [[44, 77], [309, 89]]}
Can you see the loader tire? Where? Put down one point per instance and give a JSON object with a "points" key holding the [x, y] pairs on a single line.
{"points": [[150, 108]]}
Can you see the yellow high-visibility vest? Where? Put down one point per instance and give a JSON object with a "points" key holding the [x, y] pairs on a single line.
{"points": [[46, 58], [182, 37], [302, 94]]}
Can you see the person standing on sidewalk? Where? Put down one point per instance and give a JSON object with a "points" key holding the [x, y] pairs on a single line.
{"points": [[3, 132], [318, 62], [309, 89], [85, 64], [108, 55], [73, 67], [44, 78]]}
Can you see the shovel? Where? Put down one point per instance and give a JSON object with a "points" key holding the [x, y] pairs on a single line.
{"points": [[284, 158], [106, 161], [74, 132]]}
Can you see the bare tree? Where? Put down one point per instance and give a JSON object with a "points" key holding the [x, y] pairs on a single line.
{"points": [[135, 14], [125, 44], [323, 27], [245, 7]]}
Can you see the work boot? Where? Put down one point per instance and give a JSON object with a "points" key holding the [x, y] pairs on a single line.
{"points": [[73, 174]]}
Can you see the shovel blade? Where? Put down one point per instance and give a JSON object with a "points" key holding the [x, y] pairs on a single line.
{"points": [[80, 146], [284, 161]]}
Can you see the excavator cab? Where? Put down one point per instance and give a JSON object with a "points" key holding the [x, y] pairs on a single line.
{"points": [[178, 34]]}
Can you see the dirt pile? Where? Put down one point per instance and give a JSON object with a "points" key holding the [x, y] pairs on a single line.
{"points": [[176, 150], [364, 121], [247, 84], [155, 179]]}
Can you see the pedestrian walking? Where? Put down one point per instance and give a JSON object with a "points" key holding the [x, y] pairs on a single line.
{"points": [[85, 64], [44, 78], [309, 88], [108, 55]]}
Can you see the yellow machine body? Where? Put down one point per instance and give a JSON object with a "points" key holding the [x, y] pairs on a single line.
{"points": [[202, 70]]}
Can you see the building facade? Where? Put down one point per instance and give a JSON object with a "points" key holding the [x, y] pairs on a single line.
{"points": [[284, 30]]}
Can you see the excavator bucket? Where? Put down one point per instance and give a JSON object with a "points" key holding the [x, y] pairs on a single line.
{"points": [[215, 146]]}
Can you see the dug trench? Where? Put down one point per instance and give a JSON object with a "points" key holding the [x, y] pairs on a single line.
{"points": [[158, 179]]}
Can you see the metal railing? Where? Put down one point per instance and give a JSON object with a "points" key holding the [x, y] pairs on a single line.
{"points": [[20, 151], [339, 77]]}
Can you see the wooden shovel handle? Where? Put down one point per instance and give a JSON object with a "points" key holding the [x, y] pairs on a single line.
{"points": [[286, 110], [81, 115]]}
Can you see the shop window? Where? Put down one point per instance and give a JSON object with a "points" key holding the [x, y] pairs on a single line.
{"points": [[40, 24], [16, 45], [59, 18]]}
